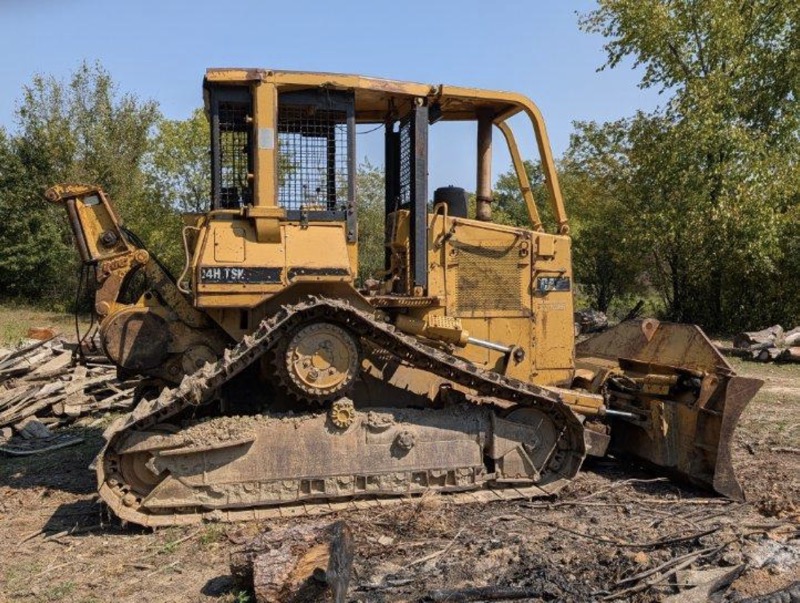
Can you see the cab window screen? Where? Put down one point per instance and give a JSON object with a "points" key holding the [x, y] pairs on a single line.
{"points": [[231, 144], [315, 141]]}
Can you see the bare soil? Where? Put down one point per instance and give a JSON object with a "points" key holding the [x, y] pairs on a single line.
{"points": [[615, 521]]}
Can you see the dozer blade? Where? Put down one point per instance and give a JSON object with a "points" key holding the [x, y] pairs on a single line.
{"points": [[681, 398]]}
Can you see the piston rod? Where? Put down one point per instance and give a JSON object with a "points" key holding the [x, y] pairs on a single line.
{"points": [[621, 413], [490, 345]]}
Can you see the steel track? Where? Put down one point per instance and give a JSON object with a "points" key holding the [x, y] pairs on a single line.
{"points": [[201, 387]]}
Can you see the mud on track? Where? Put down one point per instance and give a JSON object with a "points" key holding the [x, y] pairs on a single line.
{"points": [[613, 522]]}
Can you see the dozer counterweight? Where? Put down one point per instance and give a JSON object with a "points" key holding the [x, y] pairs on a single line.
{"points": [[282, 386]]}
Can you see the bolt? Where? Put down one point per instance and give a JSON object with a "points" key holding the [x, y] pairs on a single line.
{"points": [[405, 440], [108, 238]]}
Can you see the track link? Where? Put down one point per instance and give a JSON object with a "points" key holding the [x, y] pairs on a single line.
{"points": [[200, 388]]}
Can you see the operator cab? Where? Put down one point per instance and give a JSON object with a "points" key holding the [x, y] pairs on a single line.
{"points": [[283, 148]]}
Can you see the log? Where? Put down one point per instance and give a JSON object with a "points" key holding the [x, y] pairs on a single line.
{"points": [[791, 354], [306, 562], [738, 352], [767, 354], [747, 339], [792, 337]]}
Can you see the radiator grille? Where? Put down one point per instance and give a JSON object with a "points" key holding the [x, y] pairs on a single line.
{"points": [[489, 278]]}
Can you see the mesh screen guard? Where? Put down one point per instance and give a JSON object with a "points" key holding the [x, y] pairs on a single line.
{"points": [[316, 134], [231, 147]]}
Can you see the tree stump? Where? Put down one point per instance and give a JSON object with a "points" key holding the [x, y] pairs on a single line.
{"points": [[306, 562]]}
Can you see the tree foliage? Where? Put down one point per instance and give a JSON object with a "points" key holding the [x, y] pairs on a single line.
{"points": [[709, 182], [370, 194], [80, 130], [177, 165]]}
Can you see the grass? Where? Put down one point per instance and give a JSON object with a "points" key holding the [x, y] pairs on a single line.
{"points": [[212, 534], [17, 577], [59, 591], [773, 417], [15, 320]]}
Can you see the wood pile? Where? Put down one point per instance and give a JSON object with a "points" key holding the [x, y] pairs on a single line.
{"points": [[590, 321], [768, 345], [42, 386]]}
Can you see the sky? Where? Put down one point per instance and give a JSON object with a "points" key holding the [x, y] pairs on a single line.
{"points": [[159, 49]]}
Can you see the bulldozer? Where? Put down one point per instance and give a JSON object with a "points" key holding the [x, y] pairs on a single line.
{"points": [[279, 384]]}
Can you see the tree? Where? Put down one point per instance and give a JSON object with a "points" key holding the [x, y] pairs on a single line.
{"points": [[712, 176], [370, 191], [508, 206], [595, 174], [84, 131], [178, 166]]}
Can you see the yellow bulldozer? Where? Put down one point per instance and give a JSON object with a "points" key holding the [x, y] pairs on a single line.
{"points": [[280, 385]]}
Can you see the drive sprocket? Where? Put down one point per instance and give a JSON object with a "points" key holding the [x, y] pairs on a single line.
{"points": [[319, 362]]}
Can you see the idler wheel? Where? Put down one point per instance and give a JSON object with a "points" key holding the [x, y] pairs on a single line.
{"points": [[135, 467]]}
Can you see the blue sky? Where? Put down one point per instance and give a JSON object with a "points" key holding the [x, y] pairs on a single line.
{"points": [[159, 49]]}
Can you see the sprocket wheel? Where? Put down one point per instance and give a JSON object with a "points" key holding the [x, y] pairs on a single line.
{"points": [[320, 362]]}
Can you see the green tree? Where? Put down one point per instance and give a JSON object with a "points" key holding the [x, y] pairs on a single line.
{"points": [[508, 206], [370, 191], [178, 166], [32, 236], [83, 130], [595, 178], [712, 176]]}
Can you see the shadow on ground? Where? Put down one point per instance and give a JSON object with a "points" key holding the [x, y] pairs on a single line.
{"points": [[65, 470]]}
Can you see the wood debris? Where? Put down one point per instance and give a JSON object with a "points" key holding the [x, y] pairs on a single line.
{"points": [[43, 386], [767, 345], [304, 562]]}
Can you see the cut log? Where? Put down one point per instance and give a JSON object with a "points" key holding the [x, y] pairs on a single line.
{"points": [[792, 338], [738, 352], [791, 354], [767, 354], [306, 562], [42, 333], [590, 321], [746, 340]]}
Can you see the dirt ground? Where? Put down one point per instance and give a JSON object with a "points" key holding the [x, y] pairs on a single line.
{"points": [[614, 523]]}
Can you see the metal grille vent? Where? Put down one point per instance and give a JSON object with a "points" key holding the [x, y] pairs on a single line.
{"points": [[234, 149], [489, 278], [312, 158]]}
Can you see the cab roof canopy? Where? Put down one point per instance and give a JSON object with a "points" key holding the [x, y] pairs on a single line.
{"points": [[377, 99]]}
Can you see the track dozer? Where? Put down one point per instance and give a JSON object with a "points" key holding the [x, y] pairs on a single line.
{"points": [[279, 385]]}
